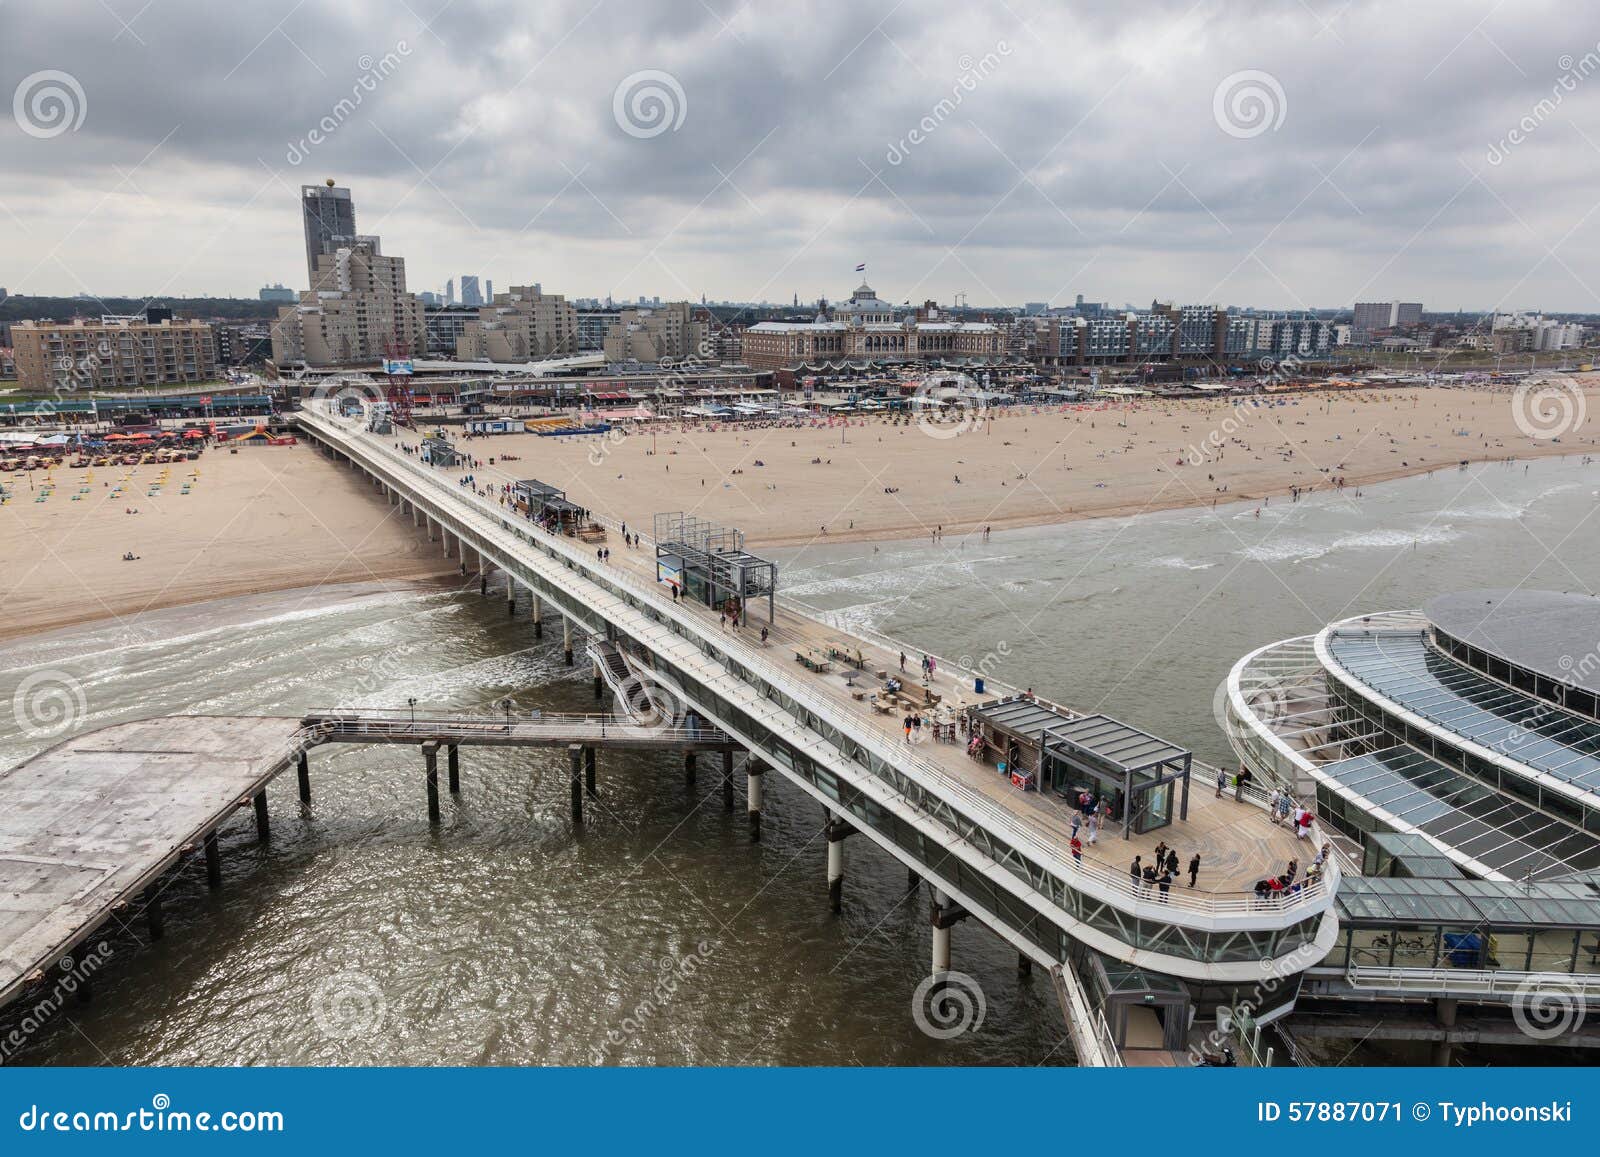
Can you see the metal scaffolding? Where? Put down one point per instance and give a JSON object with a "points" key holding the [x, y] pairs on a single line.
{"points": [[708, 562]]}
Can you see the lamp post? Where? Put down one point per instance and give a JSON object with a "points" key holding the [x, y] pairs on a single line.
{"points": [[412, 703]]}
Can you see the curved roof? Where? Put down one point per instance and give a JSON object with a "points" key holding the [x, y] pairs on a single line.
{"points": [[1547, 632]]}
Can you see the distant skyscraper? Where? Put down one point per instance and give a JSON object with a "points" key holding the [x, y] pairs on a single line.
{"points": [[330, 217], [488, 291], [450, 291], [469, 290], [277, 293]]}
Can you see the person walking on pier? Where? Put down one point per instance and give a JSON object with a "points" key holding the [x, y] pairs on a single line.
{"points": [[1222, 781], [1239, 781], [1172, 861], [902, 660], [1194, 869], [1136, 873], [1272, 806], [907, 724], [1165, 884], [1076, 845]]}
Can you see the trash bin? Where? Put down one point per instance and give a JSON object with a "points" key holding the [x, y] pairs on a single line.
{"points": [[977, 685]]}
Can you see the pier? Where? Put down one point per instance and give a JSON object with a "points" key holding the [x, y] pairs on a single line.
{"points": [[805, 707]]}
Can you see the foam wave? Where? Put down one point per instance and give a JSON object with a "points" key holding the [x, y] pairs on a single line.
{"points": [[1302, 550]]}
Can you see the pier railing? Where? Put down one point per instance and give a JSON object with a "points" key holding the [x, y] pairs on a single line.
{"points": [[1024, 833], [376, 726]]}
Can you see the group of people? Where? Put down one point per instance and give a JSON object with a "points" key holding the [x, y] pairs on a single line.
{"points": [[1289, 881], [1282, 809], [1161, 871]]}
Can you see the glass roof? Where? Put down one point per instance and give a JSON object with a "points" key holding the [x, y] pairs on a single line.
{"points": [[1507, 905], [1499, 832], [1524, 729]]}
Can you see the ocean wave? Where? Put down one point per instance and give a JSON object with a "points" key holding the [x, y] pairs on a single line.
{"points": [[1174, 562], [1303, 550]]}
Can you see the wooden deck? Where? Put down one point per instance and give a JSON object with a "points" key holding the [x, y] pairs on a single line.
{"points": [[1237, 843]]}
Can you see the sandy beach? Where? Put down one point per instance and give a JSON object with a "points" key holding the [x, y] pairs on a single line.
{"points": [[275, 518], [876, 478], [264, 519]]}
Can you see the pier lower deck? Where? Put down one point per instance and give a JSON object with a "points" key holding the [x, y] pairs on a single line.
{"points": [[100, 816]]}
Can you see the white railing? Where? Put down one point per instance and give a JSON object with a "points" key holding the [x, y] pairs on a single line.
{"points": [[1027, 835], [328, 726], [1480, 981]]}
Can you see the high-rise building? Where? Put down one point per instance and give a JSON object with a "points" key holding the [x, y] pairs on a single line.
{"points": [[663, 333], [470, 295], [1370, 316], [357, 310], [276, 292], [525, 324], [488, 290], [117, 353], [330, 219], [450, 291]]}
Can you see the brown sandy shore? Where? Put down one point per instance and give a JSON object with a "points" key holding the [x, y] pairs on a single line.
{"points": [[877, 480], [275, 518], [264, 519]]}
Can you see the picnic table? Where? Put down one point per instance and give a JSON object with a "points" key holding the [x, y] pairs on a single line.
{"points": [[846, 653], [812, 658]]}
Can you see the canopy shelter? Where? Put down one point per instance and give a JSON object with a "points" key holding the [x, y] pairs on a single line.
{"points": [[1142, 1010], [1013, 729], [437, 451], [709, 564], [1132, 768], [548, 504]]}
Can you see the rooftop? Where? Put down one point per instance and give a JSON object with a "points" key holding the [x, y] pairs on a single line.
{"points": [[1538, 630]]}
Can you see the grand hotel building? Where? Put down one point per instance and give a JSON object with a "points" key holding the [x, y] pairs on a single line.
{"points": [[868, 329]]}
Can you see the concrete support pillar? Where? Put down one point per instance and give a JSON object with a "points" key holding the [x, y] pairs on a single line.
{"points": [[304, 771], [263, 827], [538, 617], [837, 830], [152, 912], [727, 781], [753, 772], [416, 515], [588, 771], [453, 763], [511, 596], [566, 639], [688, 768], [444, 539], [941, 936], [213, 861], [575, 752], [1445, 1012], [430, 758], [430, 527]]}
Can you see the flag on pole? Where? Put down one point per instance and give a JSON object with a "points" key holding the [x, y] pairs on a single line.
{"points": [[862, 268]]}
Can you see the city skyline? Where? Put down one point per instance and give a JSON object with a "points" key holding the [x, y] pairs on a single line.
{"points": [[708, 154]]}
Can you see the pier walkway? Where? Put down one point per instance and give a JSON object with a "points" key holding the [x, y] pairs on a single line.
{"points": [[90, 826]]}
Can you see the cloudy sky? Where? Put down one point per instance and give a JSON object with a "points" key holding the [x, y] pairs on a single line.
{"points": [[1277, 154]]}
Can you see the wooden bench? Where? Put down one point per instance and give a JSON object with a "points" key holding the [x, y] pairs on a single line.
{"points": [[847, 654], [812, 659]]}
